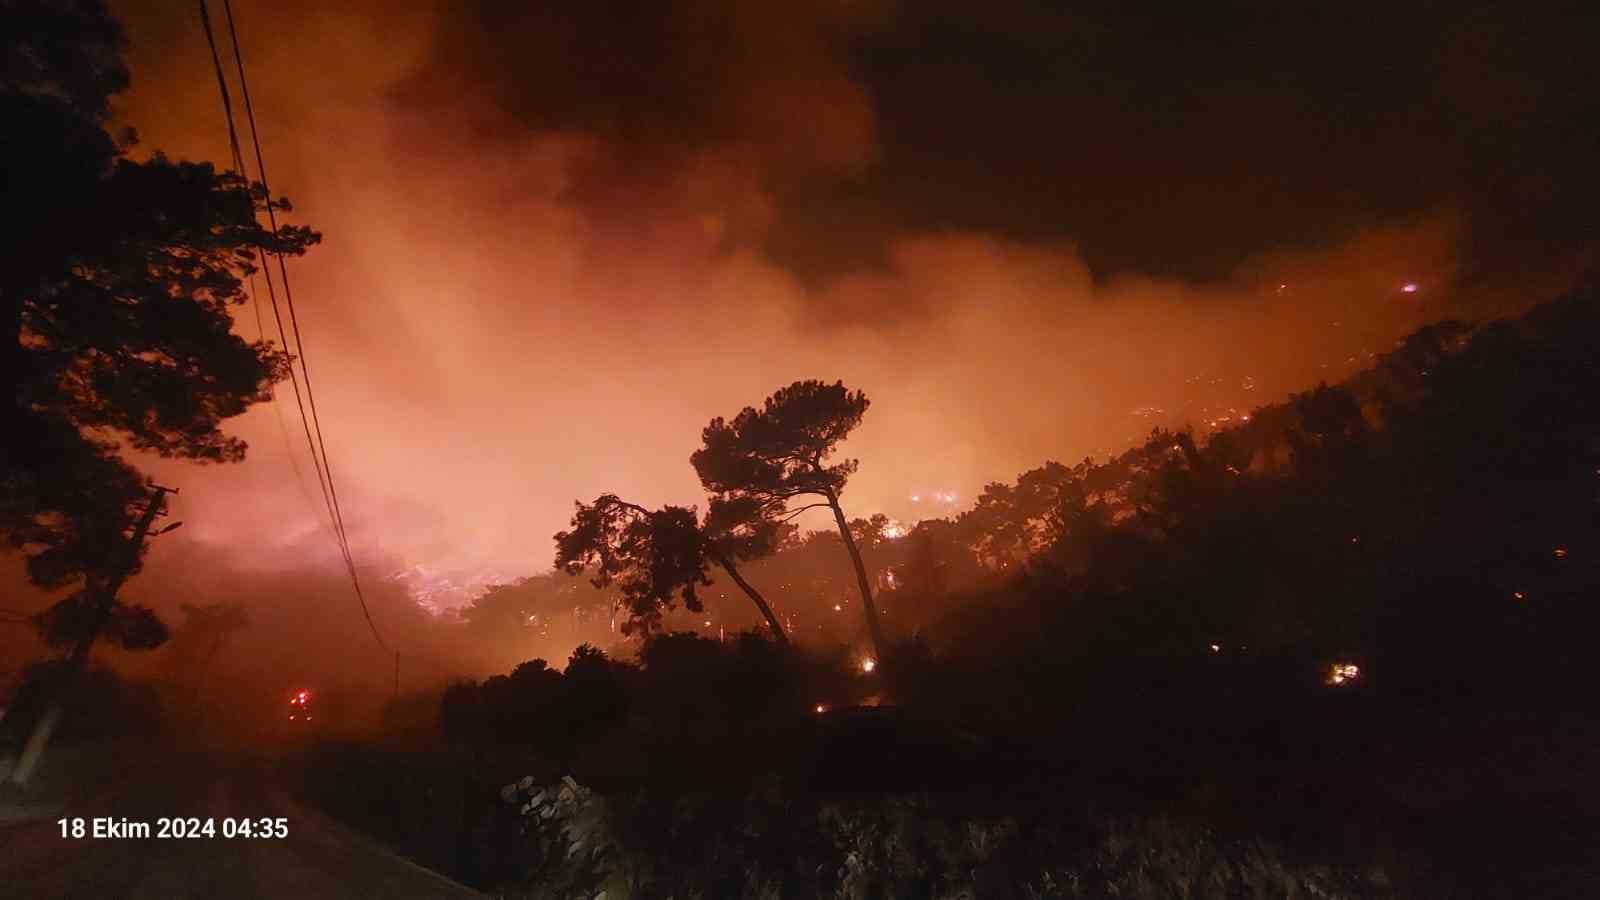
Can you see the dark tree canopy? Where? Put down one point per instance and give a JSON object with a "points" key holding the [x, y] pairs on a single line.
{"points": [[117, 283], [134, 338], [654, 557], [739, 529], [70, 50], [780, 451], [130, 627]]}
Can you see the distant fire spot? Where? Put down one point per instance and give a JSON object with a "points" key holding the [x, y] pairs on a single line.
{"points": [[1343, 673]]}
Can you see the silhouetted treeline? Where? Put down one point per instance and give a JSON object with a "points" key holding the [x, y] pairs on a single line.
{"points": [[1431, 520], [1449, 489], [1274, 630], [689, 709]]}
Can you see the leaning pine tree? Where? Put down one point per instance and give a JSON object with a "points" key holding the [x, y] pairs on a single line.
{"points": [[657, 557], [767, 459]]}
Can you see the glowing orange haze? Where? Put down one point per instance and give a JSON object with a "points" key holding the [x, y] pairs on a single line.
{"points": [[484, 352]]}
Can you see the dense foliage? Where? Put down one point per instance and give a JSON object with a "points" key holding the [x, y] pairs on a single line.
{"points": [[1303, 611], [118, 278]]}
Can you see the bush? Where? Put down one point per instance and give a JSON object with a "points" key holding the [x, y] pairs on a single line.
{"points": [[1158, 858], [565, 839], [770, 843]]}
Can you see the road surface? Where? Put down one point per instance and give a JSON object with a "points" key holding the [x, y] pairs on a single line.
{"points": [[319, 857]]}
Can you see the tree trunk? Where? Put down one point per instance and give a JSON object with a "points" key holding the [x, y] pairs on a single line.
{"points": [[78, 658], [755, 596], [33, 750], [873, 625]]}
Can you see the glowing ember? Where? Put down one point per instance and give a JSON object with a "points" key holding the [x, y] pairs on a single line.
{"points": [[867, 665], [821, 709], [1410, 287], [1561, 553], [837, 607], [1519, 595], [1343, 673], [1215, 648]]}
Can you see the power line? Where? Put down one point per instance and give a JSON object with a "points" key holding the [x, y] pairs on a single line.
{"points": [[272, 293], [255, 293], [283, 271], [318, 464], [312, 422], [239, 166]]}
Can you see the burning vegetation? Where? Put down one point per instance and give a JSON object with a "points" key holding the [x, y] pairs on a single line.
{"points": [[793, 642]]}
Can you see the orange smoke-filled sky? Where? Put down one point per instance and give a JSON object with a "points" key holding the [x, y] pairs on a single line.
{"points": [[558, 242]]}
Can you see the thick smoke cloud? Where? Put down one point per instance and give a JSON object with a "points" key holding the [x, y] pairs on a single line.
{"points": [[555, 248]]}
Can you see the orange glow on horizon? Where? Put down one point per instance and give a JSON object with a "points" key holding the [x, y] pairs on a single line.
{"points": [[451, 304]]}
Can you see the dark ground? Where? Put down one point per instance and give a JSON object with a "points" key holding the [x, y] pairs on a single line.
{"points": [[319, 858]]}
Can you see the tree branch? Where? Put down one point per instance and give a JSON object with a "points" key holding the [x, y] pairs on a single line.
{"points": [[795, 512], [617, 501]]}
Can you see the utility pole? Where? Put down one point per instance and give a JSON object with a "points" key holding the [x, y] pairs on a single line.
{"points": [[397, 675], [104, 597]]}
